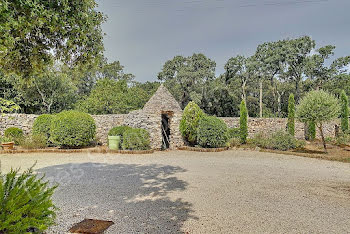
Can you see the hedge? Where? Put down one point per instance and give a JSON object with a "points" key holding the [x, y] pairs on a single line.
{"points": [[136, 139], [212, 132], [42, 126], [72, 129]]}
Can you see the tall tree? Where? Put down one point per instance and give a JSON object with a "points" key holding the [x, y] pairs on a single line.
{"points": [[297, 52], [185, 76], [36, 33], [291, 115], [51, 91], [240, 68], [344, 112], [243, 122]]}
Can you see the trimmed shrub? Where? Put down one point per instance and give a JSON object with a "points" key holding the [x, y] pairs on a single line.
{"points": [[320, 107], [291, 115], [190, 121], [119, 131], [35, 141], [243, 122], [72, 129], [279, 140], [25, 203], [234, 133], [42, 125], [344, 112], [136, 139], [310, 131], [15, 134], [212, 132]]}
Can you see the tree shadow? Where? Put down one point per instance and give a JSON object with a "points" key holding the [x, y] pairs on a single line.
{"points": [[135, 197]]}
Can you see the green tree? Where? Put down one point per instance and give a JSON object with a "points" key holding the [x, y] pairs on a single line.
{"points": [[36, 33], [54, 89], [190, 122], [113, 97], [185, 77], [242, 69], [291, 115], [318, 107], [218, 99], [297, 52], [243, 122], [344, 112]]}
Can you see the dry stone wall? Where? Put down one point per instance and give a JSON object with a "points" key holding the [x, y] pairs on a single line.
{"points": [[152, 123], [270, 125]]}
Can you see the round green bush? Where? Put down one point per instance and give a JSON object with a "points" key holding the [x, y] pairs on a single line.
{"points": [[72, 129], [15, 134], [136, 139], [212, 132], [189, 122], [42, 126]]}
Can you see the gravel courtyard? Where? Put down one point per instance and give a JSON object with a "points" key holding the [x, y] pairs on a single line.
{"points": [[179, 191]]}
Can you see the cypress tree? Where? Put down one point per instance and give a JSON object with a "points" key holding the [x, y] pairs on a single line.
{"points": [[344, 112], [311, 130], [291, 115], [243, 122]]}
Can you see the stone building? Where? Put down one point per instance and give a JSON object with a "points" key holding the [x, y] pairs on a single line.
{"points": [[161, 116]]}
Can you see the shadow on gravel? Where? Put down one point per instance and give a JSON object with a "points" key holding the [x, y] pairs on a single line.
{"points": [[134, 196]]}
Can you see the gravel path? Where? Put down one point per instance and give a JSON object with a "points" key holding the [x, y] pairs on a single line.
{"points": [[179, 191]]}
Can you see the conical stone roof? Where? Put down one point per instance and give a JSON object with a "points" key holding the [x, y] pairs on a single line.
{"points": [[162, 100]]}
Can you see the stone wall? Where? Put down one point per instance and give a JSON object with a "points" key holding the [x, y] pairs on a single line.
{"points": [[270, 125], [152, 123], [25, 121]]}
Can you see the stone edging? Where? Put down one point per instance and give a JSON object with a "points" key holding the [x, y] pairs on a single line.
{"points": [[187, 148], [93, 150]]}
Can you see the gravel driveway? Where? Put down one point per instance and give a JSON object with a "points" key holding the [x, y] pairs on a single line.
{"points": [[179, 191]]}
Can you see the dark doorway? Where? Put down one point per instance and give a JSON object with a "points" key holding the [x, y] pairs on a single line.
{"points": [[165, 132]]}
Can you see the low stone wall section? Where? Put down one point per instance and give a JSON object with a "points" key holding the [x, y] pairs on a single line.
{"points": [[270, 125]]}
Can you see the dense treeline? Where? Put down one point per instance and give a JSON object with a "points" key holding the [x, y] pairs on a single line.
{"points": [[264, 81]]}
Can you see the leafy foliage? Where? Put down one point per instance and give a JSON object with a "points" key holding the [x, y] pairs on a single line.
{"points": [[184, 76], [35, 33], [7, 106], [34, 141], [291, 115], [190, 122], [136, 139], [234, 133], [311, 130], [114, 97], [318, 107], [212, 132], [25, 203], [119, 131], [279, 140], [344, 111], [243, 122], [42, 125], [72, 129], [13, 133]]}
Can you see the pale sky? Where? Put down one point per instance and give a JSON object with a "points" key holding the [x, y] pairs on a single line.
{"points": [[144, 34]]}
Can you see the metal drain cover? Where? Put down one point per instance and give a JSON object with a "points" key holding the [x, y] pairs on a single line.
{"points": [[91, 226]]}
